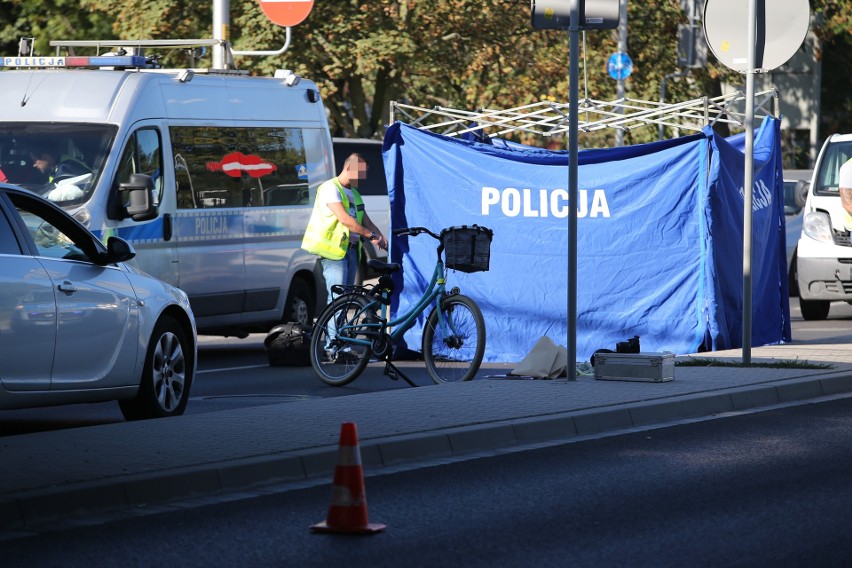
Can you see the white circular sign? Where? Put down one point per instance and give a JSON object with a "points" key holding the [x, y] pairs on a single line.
{"points": [[781, 28]]}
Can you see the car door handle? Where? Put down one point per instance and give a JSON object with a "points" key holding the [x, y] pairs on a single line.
{"points": [[67, 287]]}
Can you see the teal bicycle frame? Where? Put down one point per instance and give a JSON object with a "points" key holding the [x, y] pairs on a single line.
{"points": [[435, 290], [358, 325]]}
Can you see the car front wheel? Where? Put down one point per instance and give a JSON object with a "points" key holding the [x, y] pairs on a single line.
{"points": [[814, 309], [166, 376]]}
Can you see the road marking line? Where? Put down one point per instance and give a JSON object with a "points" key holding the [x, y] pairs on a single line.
{"points": [[230, 369]]}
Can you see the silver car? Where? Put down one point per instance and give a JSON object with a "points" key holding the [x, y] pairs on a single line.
{"points": [[77, 324]]}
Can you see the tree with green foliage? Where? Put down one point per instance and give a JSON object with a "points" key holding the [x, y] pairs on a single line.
{"points": [[833, 25], [462, 53], [47, 20]]}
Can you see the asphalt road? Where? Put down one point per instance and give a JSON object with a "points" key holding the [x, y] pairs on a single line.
{"points": [[234, 373], [764, 489]]}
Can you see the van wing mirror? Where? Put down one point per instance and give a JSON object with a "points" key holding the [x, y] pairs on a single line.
{"points": [[140, 191]]}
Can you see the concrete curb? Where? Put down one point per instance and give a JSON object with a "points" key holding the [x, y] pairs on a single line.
{"points": [[28, 509]]}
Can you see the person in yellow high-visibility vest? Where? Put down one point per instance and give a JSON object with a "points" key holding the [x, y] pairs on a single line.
{"points": [[337, 223]]}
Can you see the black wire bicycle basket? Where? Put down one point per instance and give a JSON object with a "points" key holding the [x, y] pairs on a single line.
{"points": [[467, 248]]}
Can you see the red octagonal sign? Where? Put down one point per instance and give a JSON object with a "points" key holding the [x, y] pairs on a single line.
{"points": [[286, 12]]}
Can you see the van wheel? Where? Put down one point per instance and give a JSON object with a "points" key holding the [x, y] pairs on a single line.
{"points": [[814, 309], [166, 376], [300, 306]]}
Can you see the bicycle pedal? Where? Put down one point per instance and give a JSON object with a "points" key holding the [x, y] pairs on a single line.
{"points": [[391, 373]]}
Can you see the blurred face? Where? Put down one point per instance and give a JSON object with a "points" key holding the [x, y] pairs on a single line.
{"points": [[358, 169], [42, 162]]}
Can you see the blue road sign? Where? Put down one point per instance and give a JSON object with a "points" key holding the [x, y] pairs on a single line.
{"points": [[619, 66]]}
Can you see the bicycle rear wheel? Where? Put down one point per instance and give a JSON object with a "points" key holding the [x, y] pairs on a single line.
{"points": [[453, 353], [335, 360]]}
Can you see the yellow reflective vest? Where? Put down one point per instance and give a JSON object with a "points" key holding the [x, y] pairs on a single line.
{"points": [[325, 235]]}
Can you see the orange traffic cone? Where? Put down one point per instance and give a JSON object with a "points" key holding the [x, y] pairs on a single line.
{"points": [[348, 510]]}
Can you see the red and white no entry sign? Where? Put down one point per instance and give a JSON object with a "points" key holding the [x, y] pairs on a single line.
{"points": [[236, 163], [286, 12]]}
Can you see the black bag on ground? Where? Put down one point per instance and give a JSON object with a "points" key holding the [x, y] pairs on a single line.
{"points": [[288, 345]]}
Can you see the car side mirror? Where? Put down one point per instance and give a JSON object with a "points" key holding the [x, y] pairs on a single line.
{"points": [[118, 250], [140, 191]]}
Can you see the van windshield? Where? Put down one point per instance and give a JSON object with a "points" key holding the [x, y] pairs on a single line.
{"points": [[827, 178], [61, 162]]}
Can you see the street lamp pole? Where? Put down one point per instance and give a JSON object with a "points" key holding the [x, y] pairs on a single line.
{"points": [[748, 182], [581, 14], [573, 118]]}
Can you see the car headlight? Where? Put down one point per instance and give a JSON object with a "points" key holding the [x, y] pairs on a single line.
{"points": [[817, 225], [83, 217]]}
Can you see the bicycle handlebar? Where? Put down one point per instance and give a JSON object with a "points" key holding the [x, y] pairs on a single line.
{"points": [[414, 231]]}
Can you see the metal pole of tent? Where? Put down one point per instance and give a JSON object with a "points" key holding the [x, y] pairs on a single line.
{"points": [[748, 182]]}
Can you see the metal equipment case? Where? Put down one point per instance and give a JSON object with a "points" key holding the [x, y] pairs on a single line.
{"points": [[636, 367]]}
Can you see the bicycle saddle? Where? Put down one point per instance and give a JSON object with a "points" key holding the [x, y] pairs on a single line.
{"points": [[383, 267]]}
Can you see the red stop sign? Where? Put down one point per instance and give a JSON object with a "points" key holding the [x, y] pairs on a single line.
{"points": [[286, 12]]}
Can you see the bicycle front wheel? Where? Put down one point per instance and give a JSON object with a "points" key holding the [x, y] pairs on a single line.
{"points": [[336, 360], [453, 349]]}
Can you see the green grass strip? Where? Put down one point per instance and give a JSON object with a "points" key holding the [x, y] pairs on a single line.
{"points": [[781, 364]]}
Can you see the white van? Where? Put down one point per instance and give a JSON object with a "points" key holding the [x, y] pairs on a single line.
{"points": [[210, 174], [824, 252]]}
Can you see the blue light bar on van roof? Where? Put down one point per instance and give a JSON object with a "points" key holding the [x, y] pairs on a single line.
{"points": [[75, 61]]}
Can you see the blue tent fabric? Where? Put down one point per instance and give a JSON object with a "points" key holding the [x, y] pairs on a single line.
{"points": [[659, 239], [770, 304]]}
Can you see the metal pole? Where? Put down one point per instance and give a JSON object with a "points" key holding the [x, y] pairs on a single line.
{"points": [[748, 182], [283, 48], [573, 116], [662, 102], [622, 48], [221, 30], [663, 95]]}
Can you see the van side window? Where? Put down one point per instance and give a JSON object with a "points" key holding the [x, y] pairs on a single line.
{"points": [[142, 155], [239, 167]]}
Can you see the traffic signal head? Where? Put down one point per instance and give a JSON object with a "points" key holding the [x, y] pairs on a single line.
{"points": [[592, 14]]}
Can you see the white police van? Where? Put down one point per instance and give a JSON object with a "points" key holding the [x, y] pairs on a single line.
{"points": [[210, 174], [824, 251]]}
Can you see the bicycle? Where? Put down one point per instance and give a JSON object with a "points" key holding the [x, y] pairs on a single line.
{"points": [[355, 325]]}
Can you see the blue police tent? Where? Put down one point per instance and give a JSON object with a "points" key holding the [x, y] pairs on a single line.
{"points": [[660, 238]]}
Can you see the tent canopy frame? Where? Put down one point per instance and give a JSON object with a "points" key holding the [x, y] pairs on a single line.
{"points": [[550, 119]]}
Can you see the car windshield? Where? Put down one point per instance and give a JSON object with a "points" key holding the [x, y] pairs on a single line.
{"points": [[827, 179], [61, 162]]}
